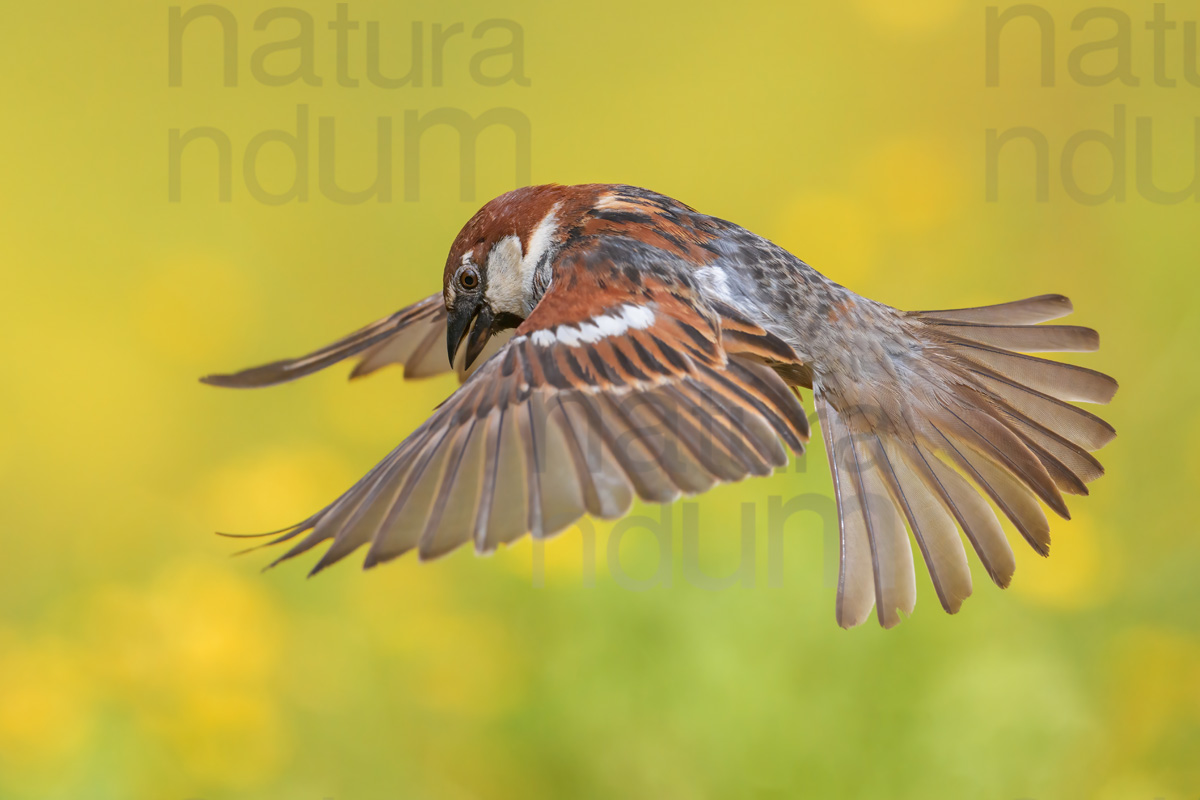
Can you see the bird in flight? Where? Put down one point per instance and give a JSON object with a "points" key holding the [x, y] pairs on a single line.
{"points": [[614, 343]]}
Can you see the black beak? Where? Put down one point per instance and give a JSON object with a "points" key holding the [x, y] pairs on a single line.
{"points": [[458, 319], [457, 323]]}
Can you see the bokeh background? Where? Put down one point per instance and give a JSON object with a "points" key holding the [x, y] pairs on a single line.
{"points": [[139, 660]]}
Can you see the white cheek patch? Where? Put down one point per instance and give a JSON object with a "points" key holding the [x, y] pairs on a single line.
{"points": [[511, 272], [616, 323], [505, 282]]}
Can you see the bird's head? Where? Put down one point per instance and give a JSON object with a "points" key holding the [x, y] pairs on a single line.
{"points": [[499, 264]]}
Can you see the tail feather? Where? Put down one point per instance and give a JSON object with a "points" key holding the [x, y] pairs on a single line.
{"points": [[1082, 464], [933, 530], [1029, 311], [1009, 494], [877, 563], [1074, 424], [856, 585], [891, 554], [1062, 475], [976, 518], [1024, 338], [1063, 381], [967, 416], [996, 442]]}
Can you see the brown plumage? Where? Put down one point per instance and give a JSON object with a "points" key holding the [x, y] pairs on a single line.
{"points": [[615, 343]]}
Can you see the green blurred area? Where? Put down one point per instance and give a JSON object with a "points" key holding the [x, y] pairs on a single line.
{"points": [[138, 660]]}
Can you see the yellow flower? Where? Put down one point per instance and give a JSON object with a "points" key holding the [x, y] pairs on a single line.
{"points": [[195, 660], [45, 703]]}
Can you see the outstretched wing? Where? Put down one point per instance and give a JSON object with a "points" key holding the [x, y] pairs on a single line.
{"points": [[619, 384], [413, 336]]}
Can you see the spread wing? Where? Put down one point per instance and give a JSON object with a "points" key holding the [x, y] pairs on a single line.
{"points": [[414, 336], [619, 384]]}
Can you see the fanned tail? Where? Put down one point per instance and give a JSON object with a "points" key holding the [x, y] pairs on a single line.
{"points": [[964, 413]]}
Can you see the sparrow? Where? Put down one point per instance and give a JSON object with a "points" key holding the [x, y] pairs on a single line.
{"points": [[613, 343]]}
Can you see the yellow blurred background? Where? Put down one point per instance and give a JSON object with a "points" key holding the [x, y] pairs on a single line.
{"points": [[138, 660]]}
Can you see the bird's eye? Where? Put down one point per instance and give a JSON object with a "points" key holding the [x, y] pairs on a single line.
{"points": [[468, 279]]}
